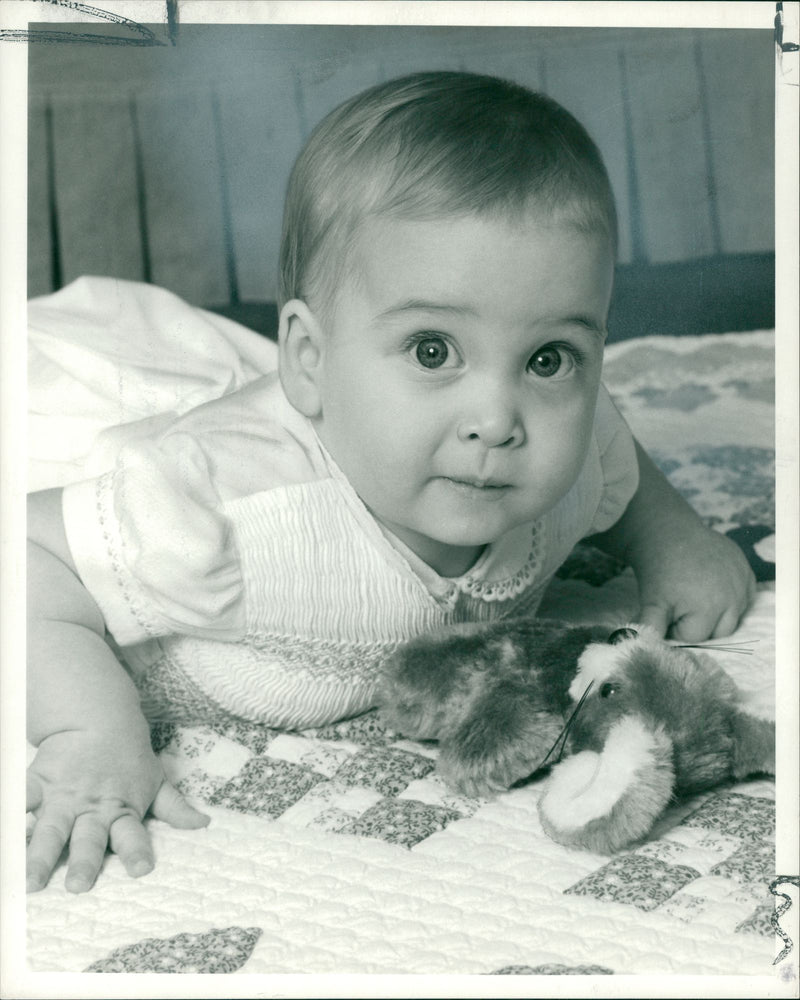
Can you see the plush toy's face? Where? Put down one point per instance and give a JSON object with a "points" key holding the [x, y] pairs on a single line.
{"points": [[681, 693], [657, 721]]}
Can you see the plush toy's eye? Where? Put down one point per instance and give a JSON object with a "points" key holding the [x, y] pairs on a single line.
{"points": [[608, 690], [620, 634]]}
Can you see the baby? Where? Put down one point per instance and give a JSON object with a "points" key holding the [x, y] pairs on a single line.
{"points": [[435, 441]]}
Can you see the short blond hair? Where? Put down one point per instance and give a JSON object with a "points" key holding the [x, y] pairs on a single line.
{"points": [[429, 145]]}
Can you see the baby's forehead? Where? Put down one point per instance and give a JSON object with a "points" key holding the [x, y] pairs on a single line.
{"points": [[400, 232], [535, 268], [374, 240]]}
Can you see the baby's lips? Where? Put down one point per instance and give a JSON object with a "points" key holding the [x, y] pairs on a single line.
{"points": [[480, 482]]}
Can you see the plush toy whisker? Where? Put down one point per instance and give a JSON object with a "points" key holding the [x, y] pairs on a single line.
{"points": [[560, 744], [562, 736], [725, 647]]}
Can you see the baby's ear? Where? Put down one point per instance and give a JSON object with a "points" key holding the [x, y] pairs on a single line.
{"points": [[301, 351]]}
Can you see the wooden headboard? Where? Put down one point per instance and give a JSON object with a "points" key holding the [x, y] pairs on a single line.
{"points": [[169, 164]]}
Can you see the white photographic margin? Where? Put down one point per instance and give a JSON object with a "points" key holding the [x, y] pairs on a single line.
{"points": [[15, 15]]}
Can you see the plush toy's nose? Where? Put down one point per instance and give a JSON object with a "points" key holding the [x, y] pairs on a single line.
{"points": [[620, 634]]}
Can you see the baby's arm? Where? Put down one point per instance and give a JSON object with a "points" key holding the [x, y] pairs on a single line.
{"points": [[694, 583], [94, 775]]}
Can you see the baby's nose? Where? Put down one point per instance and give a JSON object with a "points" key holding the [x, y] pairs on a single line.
{"points": [[493, 420]]}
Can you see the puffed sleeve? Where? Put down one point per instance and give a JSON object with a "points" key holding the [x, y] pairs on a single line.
{"points": [[154, 539], [153, 547], [618, 463]]}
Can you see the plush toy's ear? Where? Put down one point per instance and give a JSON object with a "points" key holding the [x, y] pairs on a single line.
{"points": [[603, 802], [754, 745]]}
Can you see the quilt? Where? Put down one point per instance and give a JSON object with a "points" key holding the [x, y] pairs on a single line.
{"points": [[338, 850]]}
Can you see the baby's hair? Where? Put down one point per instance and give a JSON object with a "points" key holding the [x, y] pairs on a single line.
{"points": [[430, 145]]}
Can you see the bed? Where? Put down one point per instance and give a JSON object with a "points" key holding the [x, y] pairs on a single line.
{"points": [[338, 850]]}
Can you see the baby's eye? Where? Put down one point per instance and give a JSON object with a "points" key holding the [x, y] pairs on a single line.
{"points": [[551, 360], [431, 352]]}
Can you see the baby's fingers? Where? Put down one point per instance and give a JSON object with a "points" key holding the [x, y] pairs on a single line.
{"points": [[171, 807], [723, 620], [732, 617], [47, 841], [129, 840], [694, 627], [86, 852], [727, 624], [33, 792], [657, 616]]}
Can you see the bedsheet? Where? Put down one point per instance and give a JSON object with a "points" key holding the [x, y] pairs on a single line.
{"points": [[338, 850]]}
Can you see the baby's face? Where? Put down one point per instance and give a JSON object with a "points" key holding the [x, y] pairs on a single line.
{"points": [[461, 366]]}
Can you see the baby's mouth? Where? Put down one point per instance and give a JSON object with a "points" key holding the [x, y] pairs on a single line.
{"points": [[486, 486]]}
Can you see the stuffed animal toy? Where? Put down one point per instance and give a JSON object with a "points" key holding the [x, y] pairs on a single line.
{"points": [[643, 721]]}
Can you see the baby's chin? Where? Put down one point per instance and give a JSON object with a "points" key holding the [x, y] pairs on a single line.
{"points": [[448, 554], [455, 535], [452, 553], [478, 532]]}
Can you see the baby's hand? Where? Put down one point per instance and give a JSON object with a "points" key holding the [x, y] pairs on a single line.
{"points": [[694, 583], [695, 588], [92, 789]]}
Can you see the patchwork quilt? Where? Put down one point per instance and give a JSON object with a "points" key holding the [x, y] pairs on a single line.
{"points": [[339, 850]]}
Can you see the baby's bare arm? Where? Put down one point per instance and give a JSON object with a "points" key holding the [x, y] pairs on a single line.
{"points": [[94, 775], [694, 583], [74, 679]]}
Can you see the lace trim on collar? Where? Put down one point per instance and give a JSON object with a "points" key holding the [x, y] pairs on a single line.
{"points": [[502, 590]]}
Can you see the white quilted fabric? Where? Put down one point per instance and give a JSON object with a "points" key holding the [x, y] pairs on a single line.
{"points": [[484, 894], [482, 898], [316, 884]]}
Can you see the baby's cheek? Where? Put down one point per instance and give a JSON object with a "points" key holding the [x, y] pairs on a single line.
{"points": [[566, 456]]}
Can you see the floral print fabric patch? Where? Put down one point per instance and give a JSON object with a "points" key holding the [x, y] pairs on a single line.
{"points": [[216, 951]]}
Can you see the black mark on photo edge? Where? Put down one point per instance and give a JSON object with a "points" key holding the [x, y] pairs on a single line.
{"points": [[147, 38], [779, 910]]}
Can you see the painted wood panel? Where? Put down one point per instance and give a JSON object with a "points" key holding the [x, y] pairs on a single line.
{"points": [[669, 150], [739, 70], [95, 188], [183, 196], [261, 139], [40, 248]]}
